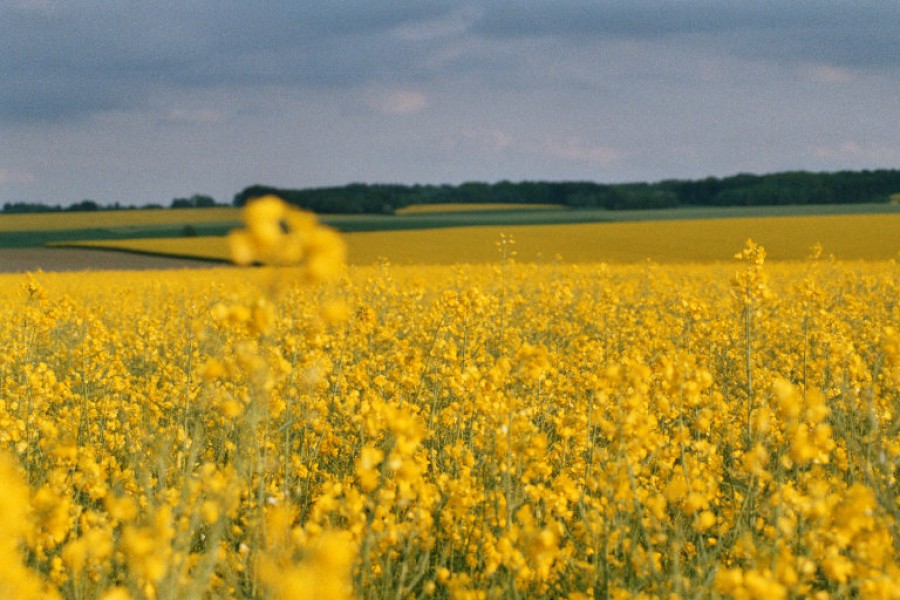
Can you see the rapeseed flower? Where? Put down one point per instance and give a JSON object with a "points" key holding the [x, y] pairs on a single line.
{"points": [[280, 234]]}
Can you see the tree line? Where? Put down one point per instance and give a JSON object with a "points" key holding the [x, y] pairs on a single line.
{"points": [[794, 187], [195, 201], [798, 187]]}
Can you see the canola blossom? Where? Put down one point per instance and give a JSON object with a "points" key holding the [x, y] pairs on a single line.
{"points": [[496, 431]]}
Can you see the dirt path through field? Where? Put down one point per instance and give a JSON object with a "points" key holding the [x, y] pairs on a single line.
{"points": [[76, 259]]}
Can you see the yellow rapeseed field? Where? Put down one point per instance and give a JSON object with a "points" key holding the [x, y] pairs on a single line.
{"points": [[207, 247], [59, 221], [847, 237], [505, 430], [422, 209], [851, 237]]}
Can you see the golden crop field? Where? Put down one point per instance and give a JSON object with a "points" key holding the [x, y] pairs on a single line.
{"points": [[57, 221], [847, 237], [852, 237], [208, 247], [421, 209], [505, 430]]}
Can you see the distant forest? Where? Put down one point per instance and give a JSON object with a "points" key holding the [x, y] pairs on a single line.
{"points": [[195, 201], [845, 187], [796, 187]]}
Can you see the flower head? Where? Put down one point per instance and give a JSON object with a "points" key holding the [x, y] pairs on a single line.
{"points": [[279, 234]]}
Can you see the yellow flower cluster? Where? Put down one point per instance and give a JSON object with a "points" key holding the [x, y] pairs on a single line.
{"points": [[279, 234], [504, 431]]}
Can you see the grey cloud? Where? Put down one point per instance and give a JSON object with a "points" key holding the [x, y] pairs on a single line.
{"points": [[637, 19], [65, 64], [72, 61], [69, 60], [841, 32], [62, 98]]}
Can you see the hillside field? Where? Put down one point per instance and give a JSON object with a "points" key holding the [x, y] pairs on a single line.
{"points": [[37, 230], [57, 221], [418, 209], [850, 237]]}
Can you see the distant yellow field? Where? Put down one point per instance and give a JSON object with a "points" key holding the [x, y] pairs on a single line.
{"points": [[421, 209], [868, 237], [211, 247], [117, 218], [848, 237]]}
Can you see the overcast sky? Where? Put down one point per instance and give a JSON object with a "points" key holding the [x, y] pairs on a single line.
{"points": [[142, 101]]}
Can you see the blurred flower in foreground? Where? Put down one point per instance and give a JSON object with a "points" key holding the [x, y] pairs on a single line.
{"points": [[16, 579], [323, 572], [279, 234]]}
